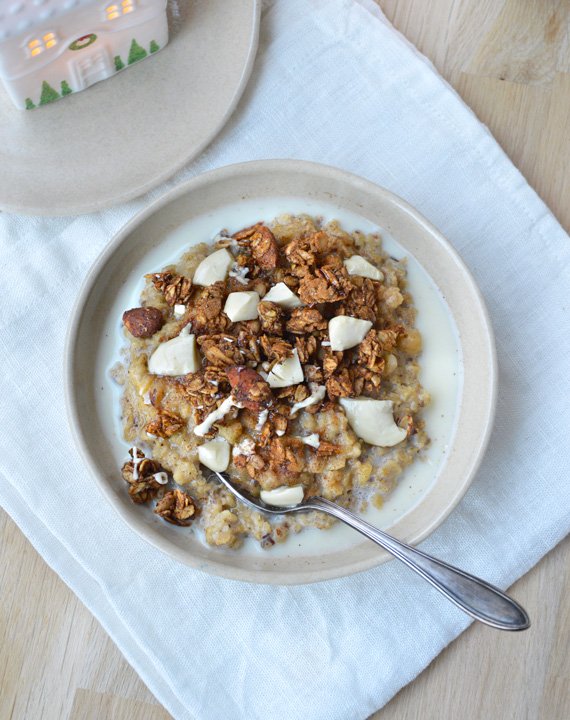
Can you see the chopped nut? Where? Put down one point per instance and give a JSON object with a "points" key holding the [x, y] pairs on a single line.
{"points": [[305, 320], [143, 322], [176, 289], [249, 388], [176, 507], [327, 284], [165, 425], [272, 317]]}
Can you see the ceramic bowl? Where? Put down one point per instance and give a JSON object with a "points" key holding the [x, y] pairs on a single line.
{"points": [[231, 197]]}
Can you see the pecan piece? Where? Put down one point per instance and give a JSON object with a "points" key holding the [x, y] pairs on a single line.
{"points": [[176, 289], [165, 425], [305, 320], [328, 284], [249, 388], [143, 322], [272, 317], [176, 507]]}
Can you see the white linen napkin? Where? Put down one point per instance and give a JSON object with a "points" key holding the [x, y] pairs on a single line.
{"points": [[333, 82]]}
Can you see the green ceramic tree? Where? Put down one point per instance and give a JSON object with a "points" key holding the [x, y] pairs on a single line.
{"points": [[136, 53], [48, 94]]}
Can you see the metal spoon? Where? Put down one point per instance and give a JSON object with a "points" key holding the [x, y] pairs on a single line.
{"points": [[474, 596]]}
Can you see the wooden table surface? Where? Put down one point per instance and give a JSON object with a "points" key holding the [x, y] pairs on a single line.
{"points": [[510, 61]]}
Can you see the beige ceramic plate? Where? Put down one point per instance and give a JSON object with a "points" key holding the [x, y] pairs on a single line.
{"points": [[229, 197], [128, 134]]}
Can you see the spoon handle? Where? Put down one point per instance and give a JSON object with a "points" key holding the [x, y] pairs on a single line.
{"points": [[474, 596]]}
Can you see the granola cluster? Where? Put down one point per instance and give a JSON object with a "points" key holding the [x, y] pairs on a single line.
{"points": [[267, 420]]}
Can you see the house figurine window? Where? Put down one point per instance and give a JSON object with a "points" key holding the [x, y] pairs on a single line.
{"points": [[120, 8], [38, 45]]}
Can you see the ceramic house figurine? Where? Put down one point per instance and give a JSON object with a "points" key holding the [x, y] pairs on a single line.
{"points": [[51, 48]]}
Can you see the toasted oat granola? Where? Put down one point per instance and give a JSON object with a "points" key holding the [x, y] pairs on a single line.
{"points": [[291, 431]]}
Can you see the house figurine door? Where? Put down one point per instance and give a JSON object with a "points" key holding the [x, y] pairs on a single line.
{"points": [[92, 67]]}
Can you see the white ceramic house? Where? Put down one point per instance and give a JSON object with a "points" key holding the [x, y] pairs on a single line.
{"points": [[51, 48]]}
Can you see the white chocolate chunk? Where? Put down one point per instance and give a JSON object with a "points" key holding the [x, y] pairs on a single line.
{"points": [[283, 496], [215, 454], [286, 373], [242, 306], [347, 332], [373, 420], [179, 310], [357, 265], [178, 356], [213, 268], [316, 396], [281, 295], [204, 427]]}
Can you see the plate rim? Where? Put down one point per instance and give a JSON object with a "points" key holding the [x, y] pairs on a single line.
{"points": [[213, 566], [149, 185]]}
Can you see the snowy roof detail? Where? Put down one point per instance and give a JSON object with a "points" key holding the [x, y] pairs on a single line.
{"points": [[20, 16]]}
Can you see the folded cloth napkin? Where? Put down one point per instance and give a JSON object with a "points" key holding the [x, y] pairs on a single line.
{"points": [[333, 82]]}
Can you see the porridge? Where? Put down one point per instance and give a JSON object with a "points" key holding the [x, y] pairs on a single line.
{"points": [[286, 355]]}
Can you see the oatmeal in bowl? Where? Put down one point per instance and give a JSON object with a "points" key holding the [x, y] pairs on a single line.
{"points": [[284, 354]]}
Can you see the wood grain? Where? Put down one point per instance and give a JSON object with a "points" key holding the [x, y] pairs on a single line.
{"points": [[510, 61]]}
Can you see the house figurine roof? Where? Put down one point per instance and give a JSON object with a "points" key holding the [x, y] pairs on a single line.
{"points": [[20, 16]]}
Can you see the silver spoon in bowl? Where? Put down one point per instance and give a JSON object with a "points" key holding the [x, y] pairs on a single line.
{"points": [[474, 596]]}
